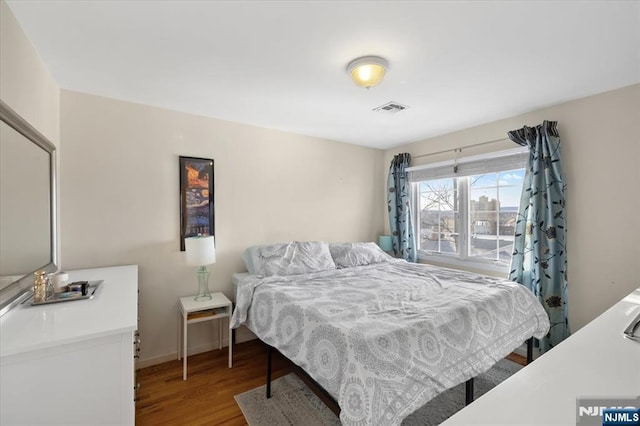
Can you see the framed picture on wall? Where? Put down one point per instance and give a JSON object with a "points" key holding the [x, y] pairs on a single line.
{"points": [[196, 198]]}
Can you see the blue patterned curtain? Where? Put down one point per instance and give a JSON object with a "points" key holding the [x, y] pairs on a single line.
{"points": [[540, 256], [399, 204]]}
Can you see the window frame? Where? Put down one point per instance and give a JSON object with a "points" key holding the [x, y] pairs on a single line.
{"points": [[463, 258]]}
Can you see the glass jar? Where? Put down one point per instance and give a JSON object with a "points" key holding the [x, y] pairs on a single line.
{"points": [[40, 287]]}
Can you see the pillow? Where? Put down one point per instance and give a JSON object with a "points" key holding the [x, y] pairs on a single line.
{"points": [[348, 255], [292, 258]]}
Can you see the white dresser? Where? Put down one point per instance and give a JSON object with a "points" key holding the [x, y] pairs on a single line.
{"points": [[72, 363], [596, 361]]}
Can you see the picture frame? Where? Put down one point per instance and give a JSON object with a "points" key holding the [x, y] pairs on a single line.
{"points": [[197, 215]]}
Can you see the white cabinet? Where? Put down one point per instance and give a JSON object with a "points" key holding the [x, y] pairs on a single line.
{"points": [[73, 362], [597, 361]]}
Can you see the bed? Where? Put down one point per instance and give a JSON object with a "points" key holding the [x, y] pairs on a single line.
{"points": [[380, 335]]}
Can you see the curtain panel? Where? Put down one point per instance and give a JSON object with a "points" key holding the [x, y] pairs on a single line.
{"points": [[540, 257], [399, 205]]}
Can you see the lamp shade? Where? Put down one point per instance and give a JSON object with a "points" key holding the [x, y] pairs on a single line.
{"points": [[367, 71], [385, 242], [200, 250]]}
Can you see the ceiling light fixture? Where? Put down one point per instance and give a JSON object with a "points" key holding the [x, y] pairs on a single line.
{"points": [[367, 71]]}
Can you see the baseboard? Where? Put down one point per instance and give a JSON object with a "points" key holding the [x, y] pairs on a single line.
{"points": [[192, 350], [242, 334], [148, 362]]}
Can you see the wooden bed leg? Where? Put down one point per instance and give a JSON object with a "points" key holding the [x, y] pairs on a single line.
{"points": [[529, 350], [269, 350], [469, 392]]}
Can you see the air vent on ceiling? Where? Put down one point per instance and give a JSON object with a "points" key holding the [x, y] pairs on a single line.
{"points": [[390, 108]]}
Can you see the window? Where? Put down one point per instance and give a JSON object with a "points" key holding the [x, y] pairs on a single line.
{"points": [[438, 224], [467, 211]]}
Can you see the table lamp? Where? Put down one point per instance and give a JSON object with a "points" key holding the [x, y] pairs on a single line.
{"points": [[201, 252], [385, 242]]}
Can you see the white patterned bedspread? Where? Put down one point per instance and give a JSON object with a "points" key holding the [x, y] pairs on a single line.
{"points": [[384, 339]]}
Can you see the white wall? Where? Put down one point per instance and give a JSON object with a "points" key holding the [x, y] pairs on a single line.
{"points": [[25, 82], [600, 137], [120, 175]]}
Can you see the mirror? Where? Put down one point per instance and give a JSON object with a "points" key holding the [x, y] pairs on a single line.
{"points": [[27, 207]]}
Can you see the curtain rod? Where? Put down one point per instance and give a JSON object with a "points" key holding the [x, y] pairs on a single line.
{"points": [[460, 148]]}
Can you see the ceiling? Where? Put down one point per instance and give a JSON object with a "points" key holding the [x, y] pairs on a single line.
{"points": [[282, 64]]}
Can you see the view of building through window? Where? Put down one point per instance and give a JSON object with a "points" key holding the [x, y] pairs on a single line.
{"points": [[479, 209]]}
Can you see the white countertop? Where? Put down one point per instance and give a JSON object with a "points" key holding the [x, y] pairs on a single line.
{"points": [[596, 361], [111, 311]]}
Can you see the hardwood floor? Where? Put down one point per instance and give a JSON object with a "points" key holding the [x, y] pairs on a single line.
{"points": [[517, 358], [206, 397]]}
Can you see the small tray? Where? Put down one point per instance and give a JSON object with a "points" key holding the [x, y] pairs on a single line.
{"points": [[69, 296]]}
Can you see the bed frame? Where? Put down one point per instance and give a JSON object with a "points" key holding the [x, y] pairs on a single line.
{"points": [[333, 404]]}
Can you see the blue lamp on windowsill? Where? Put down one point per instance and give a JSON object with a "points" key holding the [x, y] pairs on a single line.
{"points": [[201, 252]]}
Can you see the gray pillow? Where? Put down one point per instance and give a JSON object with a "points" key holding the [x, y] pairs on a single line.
{"points": [[292, 258], [348, 255]]}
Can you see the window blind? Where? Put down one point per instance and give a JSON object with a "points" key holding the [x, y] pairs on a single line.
{"points": [[475, 165]]}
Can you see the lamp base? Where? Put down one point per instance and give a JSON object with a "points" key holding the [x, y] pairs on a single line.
{"points": [[203, 285]]}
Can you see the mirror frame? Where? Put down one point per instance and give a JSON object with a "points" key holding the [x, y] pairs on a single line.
{"points": [[20, 289]]}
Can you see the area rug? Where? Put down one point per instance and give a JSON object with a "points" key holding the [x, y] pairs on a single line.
{"points": [[292, 403]]}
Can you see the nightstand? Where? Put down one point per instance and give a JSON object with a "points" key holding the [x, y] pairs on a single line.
{"points": [[192, 311]]}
